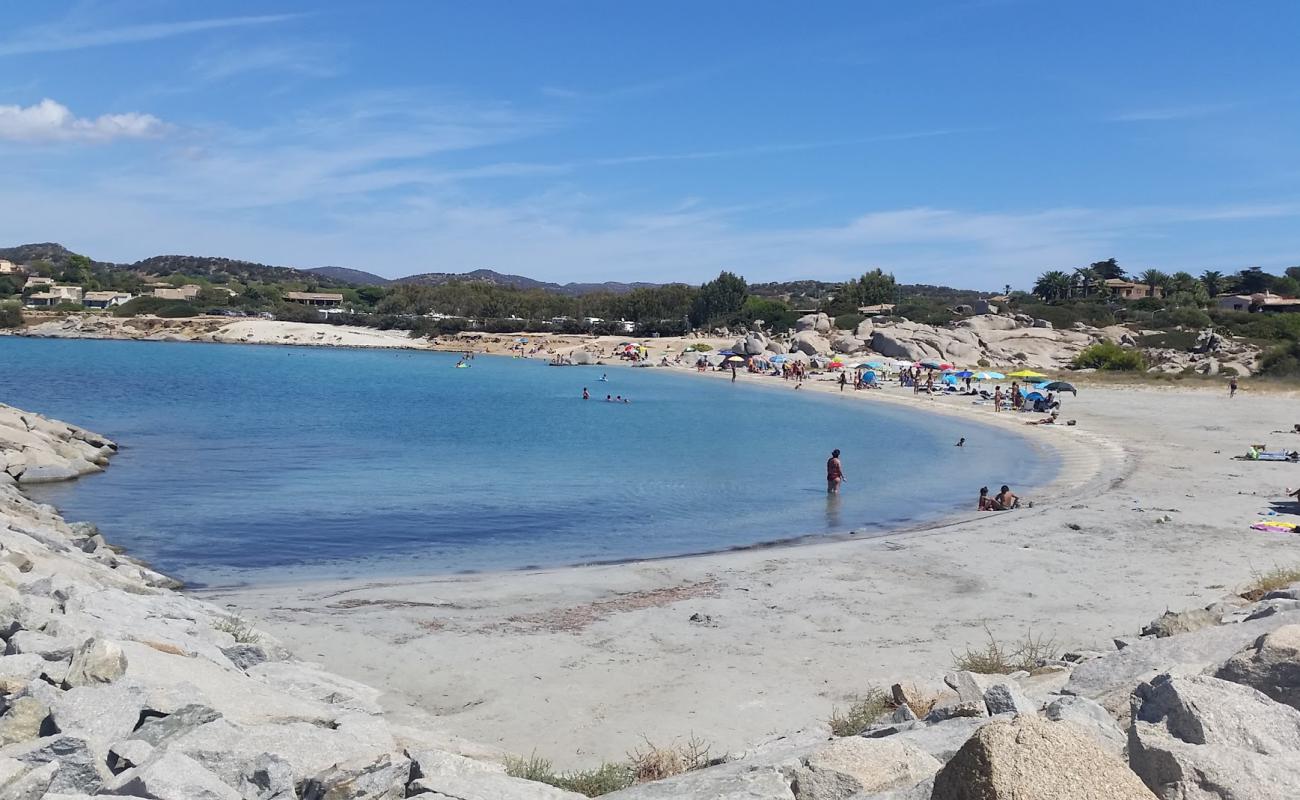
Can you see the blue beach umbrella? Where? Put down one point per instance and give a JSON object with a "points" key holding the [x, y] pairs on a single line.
{"points": [[965, 374], [778, 359], [951, 380], [875, 364]]}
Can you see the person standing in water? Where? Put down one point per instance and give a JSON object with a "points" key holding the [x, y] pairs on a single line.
{"points": [[586, 395], [834, 473]]}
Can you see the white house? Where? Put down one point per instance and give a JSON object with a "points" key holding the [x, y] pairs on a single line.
{"points": [[187, 292], [55, 295], [104, 299], [10, 268], [36, 281]]}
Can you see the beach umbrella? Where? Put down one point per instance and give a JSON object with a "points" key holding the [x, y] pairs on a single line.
{"points": [[726, 353], [951, 380], [874, 364], [991, 376], [1027, 373], [1059, 386], [735, 360], [778, 359], [1034, 396], [931, 363], [964, 374]]}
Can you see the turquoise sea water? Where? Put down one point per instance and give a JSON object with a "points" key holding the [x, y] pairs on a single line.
{"points": [[253, 464]]}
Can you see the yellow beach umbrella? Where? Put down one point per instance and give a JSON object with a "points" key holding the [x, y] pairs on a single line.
{"points": [[1026, 373]]}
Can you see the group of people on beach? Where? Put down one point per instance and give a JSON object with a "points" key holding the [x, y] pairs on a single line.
{"points": [[1004, 500]]}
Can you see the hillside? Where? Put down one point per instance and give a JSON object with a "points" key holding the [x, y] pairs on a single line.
{"points": [[349, 275], [519, 282]]}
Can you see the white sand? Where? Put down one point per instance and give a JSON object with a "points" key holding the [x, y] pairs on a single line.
{"points": [[579, 664]]}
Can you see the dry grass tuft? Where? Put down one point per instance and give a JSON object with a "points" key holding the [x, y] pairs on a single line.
{"points": [[996, 659], [860, 714], [1261, 583], [656, 763], [239, 628]]}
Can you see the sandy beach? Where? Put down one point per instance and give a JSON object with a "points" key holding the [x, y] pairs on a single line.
{"points": [[582, 664]]}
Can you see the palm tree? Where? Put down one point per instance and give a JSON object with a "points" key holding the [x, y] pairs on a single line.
{"points": [[1052, 285], [1182, 282], [1213, 282], [1155, 279], [1085, 278]]}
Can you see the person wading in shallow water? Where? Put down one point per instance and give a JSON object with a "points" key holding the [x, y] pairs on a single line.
{"points": [[834, 473]]}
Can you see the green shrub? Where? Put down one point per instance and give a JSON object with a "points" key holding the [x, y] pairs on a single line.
{"points": [[860, 714], [1110, 356], [1282, 361], [848, 322], [593, 782], [1186, 317], [11, 315], [157, 306], [297, 312], [700, 347]]}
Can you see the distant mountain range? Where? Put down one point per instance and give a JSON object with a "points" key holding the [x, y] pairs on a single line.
{"points": [[210, 266], [214, 267]]}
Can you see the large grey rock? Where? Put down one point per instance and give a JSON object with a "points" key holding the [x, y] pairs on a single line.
{"points": [[810, 343], [1032, 759], [23, 721], [159, 729], [101, 715], [1172, 623], [847, 344], [96, 661], [855, 765], [78, 768], [724, 782], [48, 647], [493, 786], [310, 682], [30, 783], [267, 778], [384, 778], [226, 748], [17, 671], [892, 345], [172, 776], [777, 348], [1201, 737], [1110, 680], [1007, 698], [1270, 664], [944, 739], [817, 323], [1091, 717]]}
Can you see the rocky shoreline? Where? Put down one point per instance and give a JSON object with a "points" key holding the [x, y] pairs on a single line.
{"points": [[116, 684]]}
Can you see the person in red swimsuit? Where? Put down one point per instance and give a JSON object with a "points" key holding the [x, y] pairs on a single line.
{"points": [[834, 473]]}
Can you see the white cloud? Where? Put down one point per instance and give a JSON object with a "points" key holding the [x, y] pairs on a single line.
{"points": [[49, 121], [52, 39], [1173, 113]]}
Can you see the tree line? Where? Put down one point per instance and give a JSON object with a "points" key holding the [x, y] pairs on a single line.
{"points": [[1181, 287]]}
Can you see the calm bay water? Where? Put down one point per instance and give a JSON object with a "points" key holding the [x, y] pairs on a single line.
{"points": [[251, 464]]}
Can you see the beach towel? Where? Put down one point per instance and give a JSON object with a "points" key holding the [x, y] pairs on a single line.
{"points": [[1275, 526]]}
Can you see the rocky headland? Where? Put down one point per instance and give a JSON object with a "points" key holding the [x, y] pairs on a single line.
{"points": [[114, 683]]}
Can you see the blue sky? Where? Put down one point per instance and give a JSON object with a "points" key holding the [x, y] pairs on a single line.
{"points": [[966, 142]]}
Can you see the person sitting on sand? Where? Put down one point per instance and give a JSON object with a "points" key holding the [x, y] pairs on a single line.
{"points": [[1006, 499], [988, 503], [1046, 420]]}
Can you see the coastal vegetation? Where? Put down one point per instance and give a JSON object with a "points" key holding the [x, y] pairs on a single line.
{"points": [[862, 713], [998, 658], [644, 764], [11, 314], [1110, 356], [1271, 580]]}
